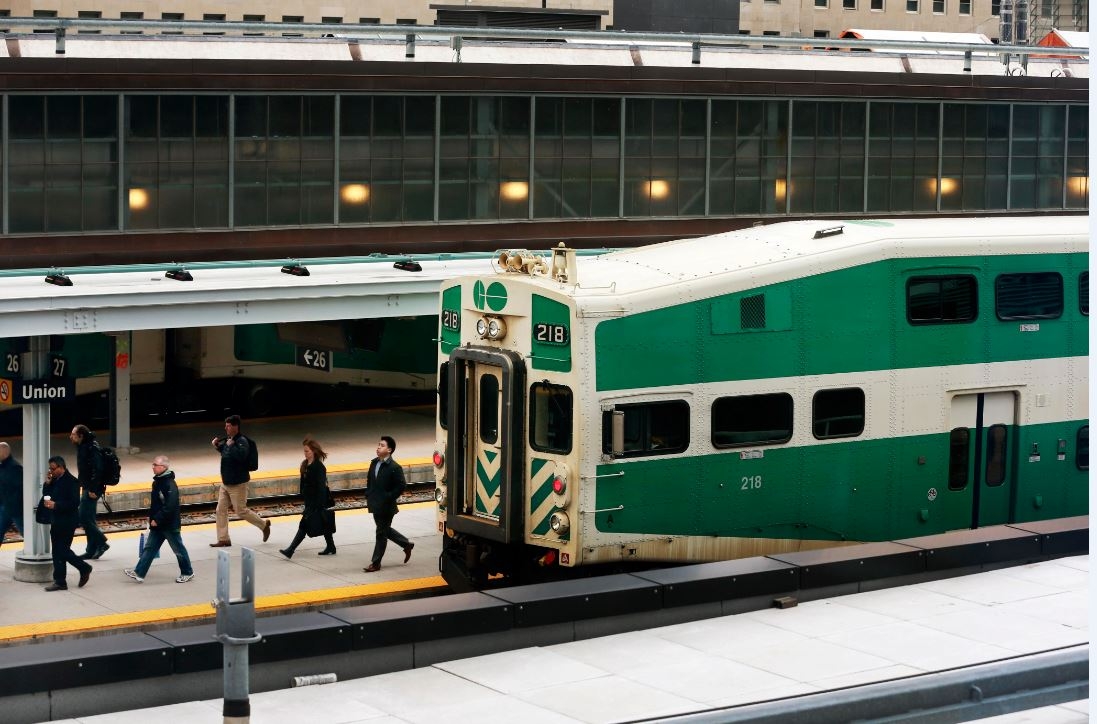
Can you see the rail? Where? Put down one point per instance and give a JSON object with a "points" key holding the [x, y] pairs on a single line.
{"points": [[1000, 687]]}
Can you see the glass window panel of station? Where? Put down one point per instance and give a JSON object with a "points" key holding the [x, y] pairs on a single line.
{"points": [[1037, 155], [63, 163], [748, 157], [576, 153], [1077, 181], [664, 157], [484, 164], [828, 156], [176, 169], [975, 156], [285, 153], [903, 156]]}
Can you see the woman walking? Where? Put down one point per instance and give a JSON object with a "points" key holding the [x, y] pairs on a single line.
{"points": [[317, 519]]}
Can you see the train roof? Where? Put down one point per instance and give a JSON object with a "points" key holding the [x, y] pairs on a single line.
{"points": [[747, 258], [358, 48]]}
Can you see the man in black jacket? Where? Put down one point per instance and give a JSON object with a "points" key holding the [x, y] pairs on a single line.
{"points": [[89, 470], [384, 483], [63, 500], [233, 495], [11, 491], [164, 524]]}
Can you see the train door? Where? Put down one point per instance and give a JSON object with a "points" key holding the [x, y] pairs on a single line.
{"points": [[981, 441], [485, 443]]}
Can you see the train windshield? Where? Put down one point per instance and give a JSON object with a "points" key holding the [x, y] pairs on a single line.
{"points": [[550, 415]]}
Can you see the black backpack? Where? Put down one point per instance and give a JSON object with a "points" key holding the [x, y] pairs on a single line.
{"points": [[110, 467], [253, 454]]}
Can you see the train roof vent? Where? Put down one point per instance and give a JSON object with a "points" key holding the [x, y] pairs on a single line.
{"points": [[830, 231]]}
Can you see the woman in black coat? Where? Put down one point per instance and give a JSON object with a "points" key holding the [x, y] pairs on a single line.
{"points": [[317, 519]]}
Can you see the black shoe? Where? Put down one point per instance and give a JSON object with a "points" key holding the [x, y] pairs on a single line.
{"points": [[286, 552], [84, 578], [86, 555], [99, 553], [55, 586], [327, 552], [407, 552]]}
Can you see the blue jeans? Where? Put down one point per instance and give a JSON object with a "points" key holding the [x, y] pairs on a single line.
{"points": [[156, 539], [94, 538], [7, 517]]}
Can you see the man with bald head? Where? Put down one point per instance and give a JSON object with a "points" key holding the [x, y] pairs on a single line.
{"points": [[11, 491], [164, 524]]}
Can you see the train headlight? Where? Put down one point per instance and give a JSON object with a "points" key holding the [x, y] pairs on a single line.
{"points": [[482, 327], [440, 496], [438, 459], [559, 523], [497, 329]]}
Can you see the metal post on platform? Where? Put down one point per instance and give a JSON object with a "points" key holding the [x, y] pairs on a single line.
{"points": [[121, 362], [35, 564], [235, 631]]}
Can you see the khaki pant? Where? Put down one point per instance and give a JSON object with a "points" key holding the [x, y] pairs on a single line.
{"points": [[234, 498]]}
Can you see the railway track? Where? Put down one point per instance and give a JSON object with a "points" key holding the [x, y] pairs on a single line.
{"points": [[268, 507]]}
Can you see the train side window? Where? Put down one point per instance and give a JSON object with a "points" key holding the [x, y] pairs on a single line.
{"points": [[838, 413], [443, 395], [550, 418], [1083, 293], [1036, 295], [651, 428], [752, 420], [996, 455], [1081, 454], [942, 299], [959, 453], [489, 409]]}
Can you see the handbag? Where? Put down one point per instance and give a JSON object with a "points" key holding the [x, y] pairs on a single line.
{"points": [[141, 546], [42, 514]]}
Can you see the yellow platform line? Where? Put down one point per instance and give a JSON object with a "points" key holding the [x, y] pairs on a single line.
{"points": [[200, 611], [264, 475]]}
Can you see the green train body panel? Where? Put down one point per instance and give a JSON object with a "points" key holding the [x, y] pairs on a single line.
{"points": [[848, 491], [833, 320], [405, 345]]}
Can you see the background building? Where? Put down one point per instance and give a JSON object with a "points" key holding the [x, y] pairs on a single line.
{"points": [[570, 14], [673, 16]]}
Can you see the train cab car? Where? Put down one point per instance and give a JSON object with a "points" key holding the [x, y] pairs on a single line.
{"points": [[787, 387]]}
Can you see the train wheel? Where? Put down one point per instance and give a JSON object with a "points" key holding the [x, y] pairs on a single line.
{"points": [[258, 400]]}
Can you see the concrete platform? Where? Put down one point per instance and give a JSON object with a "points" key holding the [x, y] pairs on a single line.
{"points": [[112, 601], [692, 667]]}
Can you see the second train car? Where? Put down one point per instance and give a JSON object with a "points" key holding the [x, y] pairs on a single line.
{"points": [[781, 388]]}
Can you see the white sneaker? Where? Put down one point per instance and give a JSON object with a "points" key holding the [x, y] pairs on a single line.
{"points": [[183, 578], [133, 574]]}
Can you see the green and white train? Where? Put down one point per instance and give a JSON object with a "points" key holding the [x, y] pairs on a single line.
{"points": [[781, 388]]}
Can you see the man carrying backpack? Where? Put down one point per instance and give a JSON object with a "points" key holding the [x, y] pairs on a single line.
{"points": [[236, 452], [89, 471]]}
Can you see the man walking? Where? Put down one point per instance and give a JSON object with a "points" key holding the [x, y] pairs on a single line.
{"points": [[164, 524], [233, 495], [11, 491], [384, 483], [89, 470], [62, 497]]}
